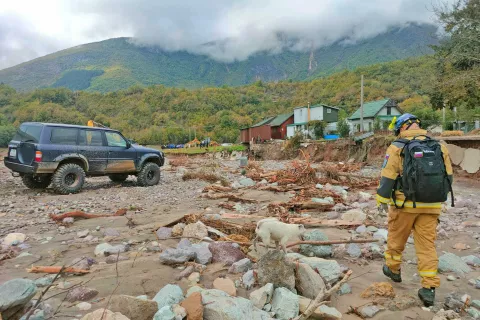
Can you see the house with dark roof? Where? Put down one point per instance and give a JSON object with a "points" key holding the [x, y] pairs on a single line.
{"points": [[384, 110], [304, 114], [267, 129]]}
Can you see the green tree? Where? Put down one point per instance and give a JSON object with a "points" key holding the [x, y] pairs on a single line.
{"points": [[318, 128]]}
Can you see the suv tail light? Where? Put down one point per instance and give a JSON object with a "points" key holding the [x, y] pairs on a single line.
{"points": [[38, 156]]}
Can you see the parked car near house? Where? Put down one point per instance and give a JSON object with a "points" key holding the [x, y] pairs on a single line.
{"points": [[63, 155]]}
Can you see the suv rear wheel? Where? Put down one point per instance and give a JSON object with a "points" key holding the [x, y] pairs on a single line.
{"points": [[36, 182], [118, 177], [68, 178], [149, 175]]}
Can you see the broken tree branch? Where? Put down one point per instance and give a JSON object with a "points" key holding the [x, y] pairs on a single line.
{"points": [[56, 269], [322, 296], [83, 215]]}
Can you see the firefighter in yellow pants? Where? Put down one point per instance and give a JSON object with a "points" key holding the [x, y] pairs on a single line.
{"points": [[405, 217]]}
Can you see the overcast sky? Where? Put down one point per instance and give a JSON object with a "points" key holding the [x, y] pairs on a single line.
{"points": [[226, 30]]}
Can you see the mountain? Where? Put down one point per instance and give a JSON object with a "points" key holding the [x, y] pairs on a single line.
{"points": [[118, 64]]}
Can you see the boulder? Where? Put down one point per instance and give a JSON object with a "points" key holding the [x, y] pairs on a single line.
{"points": [[177, 229], [225, 252], [102, 248], [193, 306], [114, 258], [14, 238], [179, 311], [449, 262], [456, 301], [241, 266], [164, 313], [176, 256], [381, 234], [226, 285], [193, 289], [354, 215], [369, 311], [111, 232], [168, 296], [361, 229], [285, 304], [84, 306], [321, 313], [44, 281], [308, 283], [15, 294], [164, 233], [104, 314], [354, 250], [196, 230], [133, 308], [246, 182], [262, 296], [221, 306], [81, 293], [472, 260], [344, 289], [202, 253], [314, 250], [274, 268], [248, 279], [119, 248], [329, 270], [83, 233], [364, 196]]}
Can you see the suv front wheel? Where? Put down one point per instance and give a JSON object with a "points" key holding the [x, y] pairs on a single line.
{"points": [[36, 182], [68, 178], [149, 175]]}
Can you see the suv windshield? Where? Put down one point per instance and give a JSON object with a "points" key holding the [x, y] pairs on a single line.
{"points": [[28, 133]]}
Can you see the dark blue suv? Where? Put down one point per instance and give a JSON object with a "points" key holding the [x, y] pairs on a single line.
{"points": [[63, 155]]}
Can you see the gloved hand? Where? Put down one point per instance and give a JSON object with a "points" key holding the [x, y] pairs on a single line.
{"points": [[382, 207]]}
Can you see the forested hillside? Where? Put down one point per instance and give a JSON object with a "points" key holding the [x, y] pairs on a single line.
{"points": [[159, 114], [116, 64]]}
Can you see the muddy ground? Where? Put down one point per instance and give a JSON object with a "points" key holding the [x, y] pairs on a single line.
{"points": [[27, 211]]}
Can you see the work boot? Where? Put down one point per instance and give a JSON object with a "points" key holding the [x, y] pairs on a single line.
{"points": [[396, 277], [427, 296]]}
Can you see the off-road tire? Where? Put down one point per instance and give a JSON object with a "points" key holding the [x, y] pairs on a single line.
{"points": [[69, 178], [149, 175], [36, 182], [118, 177]]}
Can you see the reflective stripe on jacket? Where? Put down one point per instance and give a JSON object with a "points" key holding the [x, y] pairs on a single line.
{"points": [[393, 168]]}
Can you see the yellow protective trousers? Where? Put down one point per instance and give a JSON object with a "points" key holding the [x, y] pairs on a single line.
{"points": [[424, 226]]}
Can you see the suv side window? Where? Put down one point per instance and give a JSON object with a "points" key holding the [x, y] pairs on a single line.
{"points": [[64, 136], [90, 138], [115, 140]]}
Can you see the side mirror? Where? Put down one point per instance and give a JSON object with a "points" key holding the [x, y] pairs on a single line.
{"points": [[129, 144]]}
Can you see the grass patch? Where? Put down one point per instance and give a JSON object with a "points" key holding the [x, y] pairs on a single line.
{"points": [[205, 176]]}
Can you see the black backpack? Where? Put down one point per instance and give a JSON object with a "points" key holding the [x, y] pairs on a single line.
{"points": [[424, 177]]}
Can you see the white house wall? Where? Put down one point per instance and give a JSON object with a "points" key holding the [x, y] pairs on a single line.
{"points": [[394, 112], [300, 115], [290, 131]]}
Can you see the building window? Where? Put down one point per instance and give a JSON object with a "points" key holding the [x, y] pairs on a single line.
{"points": [[329, 110], [389, 111]]}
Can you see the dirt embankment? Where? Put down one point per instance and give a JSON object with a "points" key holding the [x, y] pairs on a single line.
{"points": [[371, 150]]}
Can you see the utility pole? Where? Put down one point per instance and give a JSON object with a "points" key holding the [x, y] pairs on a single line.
{"points": [[443, 118], [361, 104]]}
